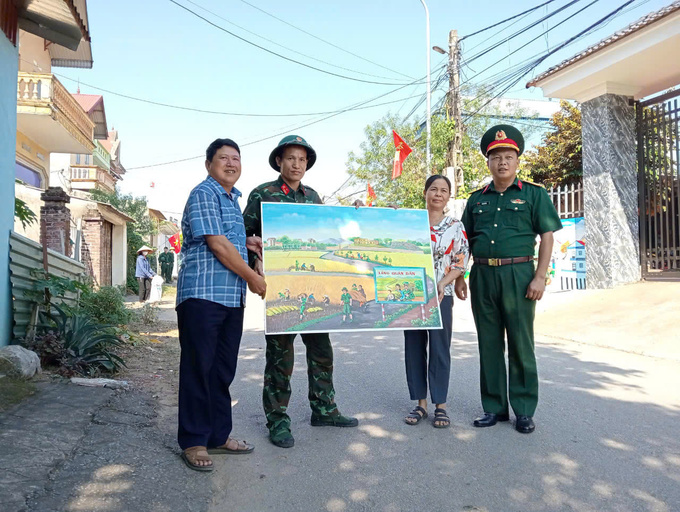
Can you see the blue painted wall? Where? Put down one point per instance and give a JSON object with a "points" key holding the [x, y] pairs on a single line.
{"points": [[8, 131]]}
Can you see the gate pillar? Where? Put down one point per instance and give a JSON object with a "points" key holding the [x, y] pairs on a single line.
{"points": [[610, 185]]}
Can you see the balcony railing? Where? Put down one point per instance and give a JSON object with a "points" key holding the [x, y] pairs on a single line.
{"points": [[44, 90], [96, 178]]}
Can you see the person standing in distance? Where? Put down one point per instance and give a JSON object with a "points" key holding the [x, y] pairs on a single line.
{"points": [[502, 220]]}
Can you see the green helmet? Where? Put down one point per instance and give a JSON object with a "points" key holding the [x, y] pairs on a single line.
{"points": [[292, 140]]}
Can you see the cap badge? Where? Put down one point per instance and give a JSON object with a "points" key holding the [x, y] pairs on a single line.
{"points": [[299, 139], [500, 135]]}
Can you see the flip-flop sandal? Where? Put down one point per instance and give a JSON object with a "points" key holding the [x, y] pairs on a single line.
{"points": [[441, 419], [417, 414], [248, 448], [191, 455]]}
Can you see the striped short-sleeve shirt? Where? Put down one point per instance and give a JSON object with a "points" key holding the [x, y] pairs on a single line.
{"points": [[211, 210]]}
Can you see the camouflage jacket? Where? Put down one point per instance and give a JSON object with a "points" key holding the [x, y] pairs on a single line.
{"points": [[273, 192]]}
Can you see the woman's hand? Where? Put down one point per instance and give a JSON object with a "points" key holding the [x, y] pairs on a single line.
{"points": [[461, 288], [441, 289]]}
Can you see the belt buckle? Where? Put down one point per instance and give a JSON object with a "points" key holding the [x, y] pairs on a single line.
{"points": [[494, 262]]}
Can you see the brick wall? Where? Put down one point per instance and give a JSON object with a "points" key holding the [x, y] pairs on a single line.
{"points": [[55, 219], [96, 246]]}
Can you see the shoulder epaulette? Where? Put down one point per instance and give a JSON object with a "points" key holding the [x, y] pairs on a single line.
{"points": [[532, 183]]}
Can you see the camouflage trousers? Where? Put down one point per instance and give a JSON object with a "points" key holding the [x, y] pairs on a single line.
{"points": [[280, 357]]}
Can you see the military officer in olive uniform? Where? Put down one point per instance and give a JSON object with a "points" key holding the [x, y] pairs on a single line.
{"points": [[167, 261], [292, 158], [502, 220]]}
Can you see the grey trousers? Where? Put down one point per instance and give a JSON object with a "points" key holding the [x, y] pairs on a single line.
{"points": [[144, 288], [437, 368]]}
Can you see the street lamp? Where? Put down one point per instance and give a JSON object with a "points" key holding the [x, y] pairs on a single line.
{"points": [[427, 50]]}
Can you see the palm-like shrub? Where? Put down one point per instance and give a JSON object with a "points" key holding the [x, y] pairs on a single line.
{"points": [[76, 344]]}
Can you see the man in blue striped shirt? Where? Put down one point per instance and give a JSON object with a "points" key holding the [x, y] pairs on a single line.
{"points": [[211, 294]]}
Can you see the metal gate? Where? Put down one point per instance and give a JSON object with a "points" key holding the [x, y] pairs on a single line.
{"points": [[659, 192]]}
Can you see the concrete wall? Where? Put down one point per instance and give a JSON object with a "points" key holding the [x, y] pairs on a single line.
{"points": [[119, 256], [60, 174], [34, 57], [8, 129], [610, 192], [30, 196]]}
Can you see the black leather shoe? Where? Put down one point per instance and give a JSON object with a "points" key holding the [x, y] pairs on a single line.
{"points": [[490, 419], [525, 424], [334, 421]]}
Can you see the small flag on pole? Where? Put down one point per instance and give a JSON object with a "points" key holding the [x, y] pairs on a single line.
{"points": [[174, 241], [371, 196], [401, 152]]}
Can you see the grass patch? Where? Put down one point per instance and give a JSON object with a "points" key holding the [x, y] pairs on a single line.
{"points": [[13, 391]]}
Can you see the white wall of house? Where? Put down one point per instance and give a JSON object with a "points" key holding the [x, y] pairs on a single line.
{"points": [[8, 132], [31, 196], [60, 174], [119, 256]]}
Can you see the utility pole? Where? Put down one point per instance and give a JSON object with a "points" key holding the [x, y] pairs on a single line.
{"points": [[454, 160]]}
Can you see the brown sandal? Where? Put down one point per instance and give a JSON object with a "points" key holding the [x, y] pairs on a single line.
{"points": [[241, 448], [194, 454]]}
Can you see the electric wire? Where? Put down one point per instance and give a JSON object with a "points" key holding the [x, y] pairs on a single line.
{"points": [[305, 125], [338, 75], [506, 20], [282, 46], [323, 40]]}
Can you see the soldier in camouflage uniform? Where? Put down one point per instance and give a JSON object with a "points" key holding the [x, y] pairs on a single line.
{"points": [[292, 157]]}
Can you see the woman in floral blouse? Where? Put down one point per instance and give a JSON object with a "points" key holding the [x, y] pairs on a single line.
{"points": [[450, 251]]}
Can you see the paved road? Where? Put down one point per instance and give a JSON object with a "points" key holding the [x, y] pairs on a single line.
{"points": [[607, 437]]}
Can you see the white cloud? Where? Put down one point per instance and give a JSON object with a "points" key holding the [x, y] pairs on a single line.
{"points": [[350, 229]]}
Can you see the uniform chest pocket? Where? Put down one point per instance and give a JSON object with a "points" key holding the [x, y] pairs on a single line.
{"points": [[483, 214], [514, 214]]}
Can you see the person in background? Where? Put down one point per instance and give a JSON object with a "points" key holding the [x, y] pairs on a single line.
{"points": [[167, 261], [450, 252], [143, 273]]}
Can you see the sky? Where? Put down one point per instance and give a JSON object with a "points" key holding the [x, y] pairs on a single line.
{"points": [[158, 51], [323, 222]]}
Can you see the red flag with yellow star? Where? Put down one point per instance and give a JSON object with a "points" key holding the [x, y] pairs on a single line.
{"points": [[370, 196], [401, 152], [174, 241]]}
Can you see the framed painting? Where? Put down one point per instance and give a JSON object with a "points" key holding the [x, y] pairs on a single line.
{"points": [[340, 268]]}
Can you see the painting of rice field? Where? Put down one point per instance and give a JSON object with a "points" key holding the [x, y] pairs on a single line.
{"points": [[340, 268]]}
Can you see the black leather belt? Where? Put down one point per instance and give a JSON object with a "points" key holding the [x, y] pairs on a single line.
{"points": [[497, 262]]}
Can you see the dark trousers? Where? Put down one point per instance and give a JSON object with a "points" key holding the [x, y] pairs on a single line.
{"points": [[166, 273], [209, 335], [278, 369], [500, 307], [436, 370], [144, 288]]}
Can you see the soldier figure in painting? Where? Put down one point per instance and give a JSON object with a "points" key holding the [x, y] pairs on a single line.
{"points": [[346, 300]]}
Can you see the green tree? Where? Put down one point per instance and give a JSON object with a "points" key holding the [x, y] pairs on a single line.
{"points": [[138, 233], [373, 163], [558, 160]]}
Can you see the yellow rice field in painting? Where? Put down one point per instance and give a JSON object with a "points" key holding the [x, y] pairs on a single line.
{"points": [[403, 259], [284, 260], [308, 283]]}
